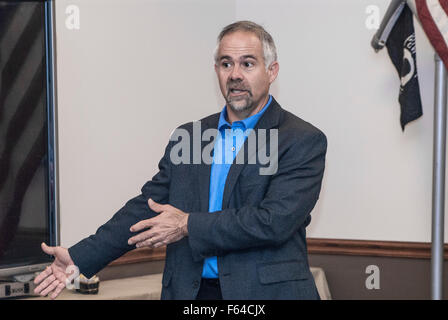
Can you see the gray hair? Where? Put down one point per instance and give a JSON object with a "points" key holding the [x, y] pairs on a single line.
{"points": [[267, 43]]}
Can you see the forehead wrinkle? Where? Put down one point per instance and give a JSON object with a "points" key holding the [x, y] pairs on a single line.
{"points": [[238, 53], [237, 47], [240, 46]]}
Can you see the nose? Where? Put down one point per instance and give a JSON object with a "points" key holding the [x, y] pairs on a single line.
{"points": [[236, 73]]}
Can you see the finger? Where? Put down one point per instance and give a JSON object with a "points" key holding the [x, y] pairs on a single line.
{"points": [[57, 291], [50, 288], [44, 274], [145, 243], [45, 284], [157, 207], [144, 224], [158, 244], [165, 239], [151, 241], [141, 237], [47, 249], [157, 238]]}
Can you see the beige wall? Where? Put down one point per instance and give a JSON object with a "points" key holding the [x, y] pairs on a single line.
{"points": [[136, 69], [132, 72]]}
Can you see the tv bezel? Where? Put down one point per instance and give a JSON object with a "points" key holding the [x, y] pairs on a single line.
{"points": [[53, 212]]}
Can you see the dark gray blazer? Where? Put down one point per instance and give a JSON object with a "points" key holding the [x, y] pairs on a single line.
{"points": [[258, 237]]}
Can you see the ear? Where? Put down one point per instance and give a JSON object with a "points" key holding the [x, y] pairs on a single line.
{"points": [[273, 71]]}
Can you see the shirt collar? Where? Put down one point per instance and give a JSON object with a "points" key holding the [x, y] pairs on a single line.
{"points": [[248, 123]]}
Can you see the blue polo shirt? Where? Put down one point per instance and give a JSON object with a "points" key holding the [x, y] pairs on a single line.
{"points": [[227, 145]]}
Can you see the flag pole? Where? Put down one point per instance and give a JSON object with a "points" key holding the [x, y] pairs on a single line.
{"points": [[438, 175], [438, 186], [439, 145]]}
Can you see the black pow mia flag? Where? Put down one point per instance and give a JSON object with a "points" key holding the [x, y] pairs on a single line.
{"points": [[401, 48]]}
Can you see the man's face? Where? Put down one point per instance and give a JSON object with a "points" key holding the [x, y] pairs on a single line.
{"points": [[243, 78]]}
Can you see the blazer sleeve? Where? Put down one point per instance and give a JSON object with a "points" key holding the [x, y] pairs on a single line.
{"points": [[291, 195], [110, 241]]}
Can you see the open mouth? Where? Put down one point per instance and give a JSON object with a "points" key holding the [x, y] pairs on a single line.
{"points": [[237, 92]]}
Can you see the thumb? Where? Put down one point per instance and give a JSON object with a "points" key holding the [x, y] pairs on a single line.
{"points": [[47, 249], [157, 207]]}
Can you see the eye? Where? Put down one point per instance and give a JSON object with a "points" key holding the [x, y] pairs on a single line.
{"points": [[226, 64], [248, 64]]}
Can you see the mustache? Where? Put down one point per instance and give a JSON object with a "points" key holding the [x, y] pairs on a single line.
{"points": [[232, 85]]}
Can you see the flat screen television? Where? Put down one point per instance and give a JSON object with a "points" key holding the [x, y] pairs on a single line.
{"points": [[28, 193]]}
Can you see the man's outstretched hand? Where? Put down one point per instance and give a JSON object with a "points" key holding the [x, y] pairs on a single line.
{"points": [[53, 278], [167, 227]]}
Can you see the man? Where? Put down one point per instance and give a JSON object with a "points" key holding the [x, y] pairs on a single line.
{"points": [[232, 230]]}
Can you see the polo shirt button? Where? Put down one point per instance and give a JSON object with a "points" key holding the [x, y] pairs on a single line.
{"points": [[233, 149], [195, 284]]}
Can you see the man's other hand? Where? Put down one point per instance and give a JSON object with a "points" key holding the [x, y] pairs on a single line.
{"points": [[167, 227]]}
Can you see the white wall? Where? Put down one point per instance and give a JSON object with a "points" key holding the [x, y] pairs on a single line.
{"points": [[137, 69]]}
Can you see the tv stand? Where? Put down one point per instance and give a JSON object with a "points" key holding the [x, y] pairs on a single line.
{"points": [[24, 277], [17, 286]]}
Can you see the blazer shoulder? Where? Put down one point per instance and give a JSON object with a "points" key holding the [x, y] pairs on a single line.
{"points": [[298, 128]]}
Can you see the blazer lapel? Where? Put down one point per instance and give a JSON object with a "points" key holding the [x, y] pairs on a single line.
{"points": [[204, 169], [268, 120]]}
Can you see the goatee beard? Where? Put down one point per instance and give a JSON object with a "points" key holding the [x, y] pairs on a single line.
{"points": [[239, 107], [242, 105]]}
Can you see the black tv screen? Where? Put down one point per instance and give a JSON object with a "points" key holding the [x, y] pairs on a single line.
{"points": [[26, 123]]}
